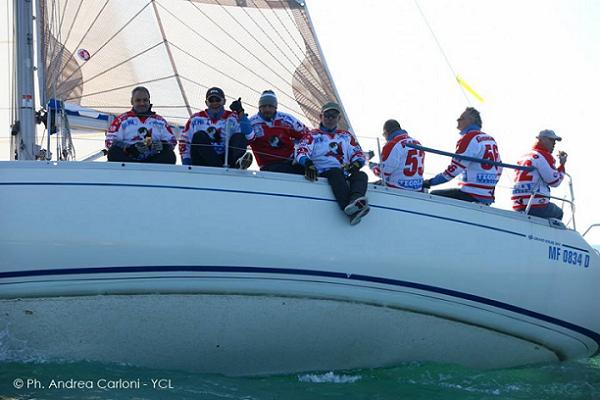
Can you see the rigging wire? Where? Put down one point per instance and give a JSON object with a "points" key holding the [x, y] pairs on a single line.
{"points": [[247, 50], [306, 80], [87, 31], [442, 50], [103, 45], [262, 78]]}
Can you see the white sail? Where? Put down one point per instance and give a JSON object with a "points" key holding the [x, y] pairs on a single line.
{"points": [[96, 51]]}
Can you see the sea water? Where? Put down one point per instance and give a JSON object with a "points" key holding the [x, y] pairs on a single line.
{"points": [[83, 380]]}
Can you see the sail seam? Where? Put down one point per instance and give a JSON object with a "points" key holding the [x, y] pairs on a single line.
{"points": [[171, 59], [108, 41]]}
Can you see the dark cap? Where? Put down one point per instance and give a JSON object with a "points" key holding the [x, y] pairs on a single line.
{"points": [[331, 106], [547, 133], [215, 92]]}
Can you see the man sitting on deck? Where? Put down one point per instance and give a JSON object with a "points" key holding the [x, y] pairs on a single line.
{"points": [[538, 182], [273, 136], [208, 132], [401, 166], [478, 179], [336, 155], [140, 135]]}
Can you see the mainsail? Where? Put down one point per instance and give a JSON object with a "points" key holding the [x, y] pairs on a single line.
{"points": [[96, 51]]}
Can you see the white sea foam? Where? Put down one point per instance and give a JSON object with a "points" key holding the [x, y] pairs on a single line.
{"points": [[329, 377]]}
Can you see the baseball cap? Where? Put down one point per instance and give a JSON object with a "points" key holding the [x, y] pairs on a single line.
{"points": [[331, 106], [547, 133], [215, 91]]}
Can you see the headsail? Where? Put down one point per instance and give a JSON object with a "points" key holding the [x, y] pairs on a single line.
{"points": [[96, 51]]}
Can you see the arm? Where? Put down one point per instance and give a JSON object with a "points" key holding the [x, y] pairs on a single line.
{"points": [[356, 157], [167, 135], [185, 145], [549, 174], [390, 156], [246, 127], [114, 134]]}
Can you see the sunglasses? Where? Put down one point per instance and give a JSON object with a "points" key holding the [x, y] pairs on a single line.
{"points": [[214, 99], [333, 114]]}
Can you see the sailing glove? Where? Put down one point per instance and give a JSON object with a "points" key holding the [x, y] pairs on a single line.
{"points": [[353, 168], [236, 106], [310, 171]]}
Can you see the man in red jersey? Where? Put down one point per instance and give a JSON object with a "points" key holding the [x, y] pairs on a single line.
{"points": [[274, 134]]}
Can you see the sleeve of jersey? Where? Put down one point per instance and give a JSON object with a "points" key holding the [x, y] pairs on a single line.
{"points": [[299, 129], [252, 135], [113, 134], [246, 127], [457, 166], [304, 147], [184, 141], [167, 134], [391, 156], [548, 173], [356, 153]]}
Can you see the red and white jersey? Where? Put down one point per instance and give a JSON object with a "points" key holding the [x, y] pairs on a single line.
{"points": [[477, 179], [273, 141], [215, 128], [539, 180], [402, 166], [329, 150], [129, 128]]}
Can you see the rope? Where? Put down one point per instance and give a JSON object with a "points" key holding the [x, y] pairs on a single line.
{"points": [[442, 51]]}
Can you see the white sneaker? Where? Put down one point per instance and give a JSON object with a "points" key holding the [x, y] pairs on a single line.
{"points": [[356, 205], [245, 161]]}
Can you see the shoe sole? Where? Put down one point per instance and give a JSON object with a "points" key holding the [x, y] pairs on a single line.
{"points": [[359, 215], [356, 206]]}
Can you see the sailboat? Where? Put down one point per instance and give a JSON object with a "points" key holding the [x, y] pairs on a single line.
{"points": [[243, 272]]}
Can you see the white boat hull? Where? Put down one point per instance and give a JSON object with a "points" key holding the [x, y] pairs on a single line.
{"points": [[247, 273]]}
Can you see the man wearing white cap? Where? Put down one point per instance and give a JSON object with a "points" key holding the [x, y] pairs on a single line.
{"points": [[273, 136], [538, 181]]}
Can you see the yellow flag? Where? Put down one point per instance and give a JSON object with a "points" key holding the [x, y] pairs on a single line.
{"points": [[468, 88]]}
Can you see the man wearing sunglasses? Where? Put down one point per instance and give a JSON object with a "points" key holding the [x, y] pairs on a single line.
{"points": [[336, 155], [273, 136], [207, 132]]}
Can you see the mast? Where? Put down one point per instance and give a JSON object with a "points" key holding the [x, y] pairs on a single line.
{"points": [[24, 101]]}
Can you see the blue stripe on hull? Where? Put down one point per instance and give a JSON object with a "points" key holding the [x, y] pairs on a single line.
{"points": [[303, 272]]}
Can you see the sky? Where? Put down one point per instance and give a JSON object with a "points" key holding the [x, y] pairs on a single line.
{"points": [[534, 62]]}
